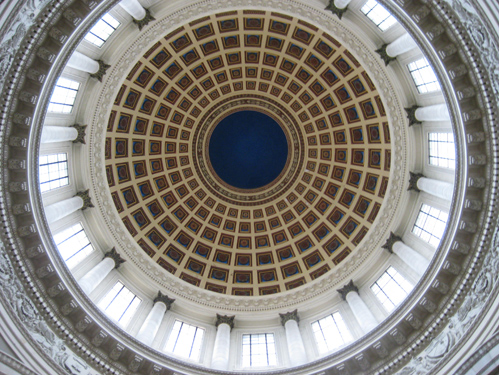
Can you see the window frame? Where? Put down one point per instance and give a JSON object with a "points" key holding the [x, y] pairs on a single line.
{"points": [[428, 156], [55, 153], [414, 221], [77, 94], [378, 277], [373, 21], [109, 37], [67, 227], [169, 335], [106, 289], [241, 349], [344, 319], [424, 84]]}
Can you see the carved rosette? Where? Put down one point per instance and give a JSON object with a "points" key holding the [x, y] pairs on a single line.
{"points": [[164, 298], [390, 241], [384, 55], [292, 315], [350, 287], [413, 181], [144, 21], [335, 10], [80, 138], [225, 319], [115, 256], [103, 67], [87, 201], [411, 115]]}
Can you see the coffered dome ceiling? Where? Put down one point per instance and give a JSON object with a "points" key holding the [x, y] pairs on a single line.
{"points": [[264, 239]]}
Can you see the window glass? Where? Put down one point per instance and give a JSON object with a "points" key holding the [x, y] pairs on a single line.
{"points": [[331, 333], [185, 340], [120, 304], [430, 224], [423, 75], [64, 96], [378, 14], [442, 150], [259, 350], [102, 30], [73, 244], [53, 170], [391, 288]]}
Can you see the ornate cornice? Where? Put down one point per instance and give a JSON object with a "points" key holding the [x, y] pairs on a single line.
{"points": [[113, 254], [292, 315], [350, 287], [413, 181], [390, 241], [103, 67], [164, 298], [87, 200], [225, 319]]}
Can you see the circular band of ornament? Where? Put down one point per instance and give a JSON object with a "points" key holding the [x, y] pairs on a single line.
{"points": [[270, 192]]}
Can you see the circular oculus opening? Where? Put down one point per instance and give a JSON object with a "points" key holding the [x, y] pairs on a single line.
{"points": [[248, 149]]}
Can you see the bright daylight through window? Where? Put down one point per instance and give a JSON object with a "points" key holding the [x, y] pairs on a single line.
{"points": [[53, 171], [259, 350], [430, 224], [378, 14], [102, 30], [391, 288], [119, 304], [185, 340], [423, 75], [442, 150], [64, 96], [73, 244], [331, 333]]}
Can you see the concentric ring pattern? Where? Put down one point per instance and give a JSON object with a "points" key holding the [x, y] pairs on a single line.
{"points": [[248, 242]]}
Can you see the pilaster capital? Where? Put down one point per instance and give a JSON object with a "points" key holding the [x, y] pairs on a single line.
{"points": [[165, 299], [113, 254], [144, 21], [411, 115], [384, 55], [87, 201], [413, 181], [390, 241], [350, 287], [292, 315], [80, 138], [229, 320], [335, 10], [103, 67]]}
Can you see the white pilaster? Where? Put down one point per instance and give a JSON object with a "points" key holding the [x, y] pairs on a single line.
{"points": [[62, 209], [220, 359], [410, 257], [437, 188], [51, 134], [437, 112], [133, 8], [84, 63], [95, 276], [151, 325], [400, 45], [296, 349], [362, 314]]}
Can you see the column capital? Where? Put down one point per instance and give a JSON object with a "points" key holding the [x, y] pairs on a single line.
{"points": [[80, 138], [335, 10], [164, 298], [390, 241], [384, 55], [103, 67], [413, 181], [292, 315], [87, 201], [229, 320], [144, 21], [411, 115], [113, 254], [350, 287]]}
